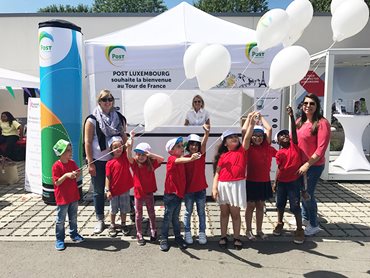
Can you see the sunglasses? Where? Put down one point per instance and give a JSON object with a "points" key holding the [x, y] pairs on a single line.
{"points": [[197, 101], [105, 99], [309, 103]]}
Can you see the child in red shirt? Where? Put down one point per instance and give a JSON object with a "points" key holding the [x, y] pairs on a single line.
{"points": [[258, 183], [196, 185], [288, 181], [143, 166], [229, 182], [65, 174], [174, 191], [118, 183]]}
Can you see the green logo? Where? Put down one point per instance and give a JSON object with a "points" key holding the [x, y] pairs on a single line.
{"points": [[115, 54], [252, 54]]}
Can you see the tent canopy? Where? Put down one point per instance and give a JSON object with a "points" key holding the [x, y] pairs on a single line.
{"points": [[181, 24], [18, 80]]}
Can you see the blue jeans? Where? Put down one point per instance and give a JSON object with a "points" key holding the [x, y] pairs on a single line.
{"points": [[62, 211], [200, 199], [98, 183], [289, 191], [309, 208], [172, 206]]}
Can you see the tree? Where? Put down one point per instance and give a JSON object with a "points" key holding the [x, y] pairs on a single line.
{"points": [[80, 8], [324, 5], [129, 6], [232, 6]]}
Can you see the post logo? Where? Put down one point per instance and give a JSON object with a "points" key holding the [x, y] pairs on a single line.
{"points": [[115, 54], [46, 42], [252, 54]]}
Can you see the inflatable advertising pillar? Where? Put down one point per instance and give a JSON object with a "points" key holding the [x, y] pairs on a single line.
{"points": [[60, 44]]}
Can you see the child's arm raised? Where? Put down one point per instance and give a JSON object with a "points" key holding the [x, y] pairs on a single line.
{"points": [[157, 157], [129, 144], [249, 126], [205, 138], [268, 129], [293, 124]]}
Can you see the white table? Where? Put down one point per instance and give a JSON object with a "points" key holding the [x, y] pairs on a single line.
{"points": [[352, 156]]}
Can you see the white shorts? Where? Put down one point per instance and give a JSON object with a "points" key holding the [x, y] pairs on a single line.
{"points": [[233, 193]]}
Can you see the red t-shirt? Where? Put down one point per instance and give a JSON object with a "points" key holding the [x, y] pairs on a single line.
{"points": [[195, 172], [310, 144], [175, 178], [232, 165], [118, 169], [67, 192], [259, 162], [144, 179], [288, 160]]}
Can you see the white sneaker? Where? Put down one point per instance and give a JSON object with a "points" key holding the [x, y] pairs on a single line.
{"points": [[188, 238], [305, 222], [99, 228], [202, 239], [310, 231]]}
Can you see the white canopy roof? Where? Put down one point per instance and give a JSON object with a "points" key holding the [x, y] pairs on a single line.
{"points": [[181, 24], [17, 79]]}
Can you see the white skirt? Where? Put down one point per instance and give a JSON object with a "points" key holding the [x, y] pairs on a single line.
{"points": [[233, 193]]}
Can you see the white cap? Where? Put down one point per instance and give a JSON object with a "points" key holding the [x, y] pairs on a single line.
{"points": [[258, 128], [193, 137], [114, 139], [142, 148], [228, 133], [279, 133], [171, 143]]}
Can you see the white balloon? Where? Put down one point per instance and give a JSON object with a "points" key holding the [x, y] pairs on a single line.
{"points": [[349, 19], [190, 58], [291, 38], [212, 66], [336, 3], [289, 66], [271, 29], [157, 110], [300, 14]]}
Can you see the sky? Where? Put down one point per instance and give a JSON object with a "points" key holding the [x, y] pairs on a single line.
{"points": [[31, 6]]}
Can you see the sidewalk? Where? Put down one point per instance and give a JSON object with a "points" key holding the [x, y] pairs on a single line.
{"points": [[344, 214]]}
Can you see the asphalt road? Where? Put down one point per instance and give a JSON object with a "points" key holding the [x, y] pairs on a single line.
{"points": [[116, 258]]}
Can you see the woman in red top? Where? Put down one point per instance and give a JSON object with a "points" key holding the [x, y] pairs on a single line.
{"points": [[313, 139], [196, 185], [258, 181], [143, 166], [229, 182]]}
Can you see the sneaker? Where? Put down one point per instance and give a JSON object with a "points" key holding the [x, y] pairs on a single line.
{"points": [[59, 245], [125, 230], [188, 238], [164, 246], [77, 238], [261, 235], [99, 228], [141, 241], [278, 229], [153, 237], [181, 242], [202, 238], [310, 231], [305, 222], [112, 231], [298, 236], [250, 236]]}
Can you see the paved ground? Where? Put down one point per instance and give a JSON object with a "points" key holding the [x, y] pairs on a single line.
{"points": [[344, 210]]}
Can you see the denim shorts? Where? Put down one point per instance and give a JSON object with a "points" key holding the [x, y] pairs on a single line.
{"points": [[121, 203], [289, 191]]}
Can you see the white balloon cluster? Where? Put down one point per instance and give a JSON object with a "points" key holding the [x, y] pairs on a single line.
{"points": [[210, 64], [157, 109]]}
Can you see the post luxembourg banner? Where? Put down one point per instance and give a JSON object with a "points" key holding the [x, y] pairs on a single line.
{"points": [[61, 94]]}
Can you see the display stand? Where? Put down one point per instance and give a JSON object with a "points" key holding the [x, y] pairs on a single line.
{"points": [[352, 156]]}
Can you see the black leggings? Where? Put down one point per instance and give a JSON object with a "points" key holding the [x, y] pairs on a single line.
{"points": [[10, 142]]}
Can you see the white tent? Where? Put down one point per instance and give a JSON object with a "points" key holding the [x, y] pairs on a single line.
{"points": [[18, 80], [149, 57]]}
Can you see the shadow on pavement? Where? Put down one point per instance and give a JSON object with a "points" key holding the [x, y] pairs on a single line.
{"points": [[323, 274], [111, 245]]}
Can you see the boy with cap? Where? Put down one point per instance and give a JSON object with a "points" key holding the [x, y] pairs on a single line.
{"points": [[288, 181], [118, 182], [65, 174], [174, 191]]}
